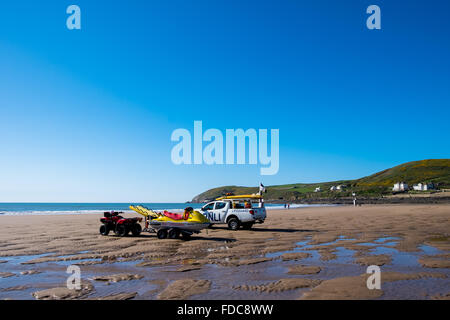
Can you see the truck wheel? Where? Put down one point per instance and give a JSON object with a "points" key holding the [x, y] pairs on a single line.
{"points": [[104, 230], [233, 224], [121, 230], [174, 233], [161, 234], [136, 231], [247, 225]]}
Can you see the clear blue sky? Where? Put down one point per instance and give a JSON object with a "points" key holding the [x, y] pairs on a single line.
{"points": [[87, 115]]}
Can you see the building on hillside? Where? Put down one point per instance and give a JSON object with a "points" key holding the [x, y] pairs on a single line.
{"points": [[400, 186], [419, 187], [341, 187], [317, 189], [333, 188], [423, 186]]}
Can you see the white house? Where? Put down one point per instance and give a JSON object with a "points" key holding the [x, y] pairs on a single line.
{"points": [[333, 188], [400, 186], [419, 187], [341, 187], [423, 186], [317, 189]]}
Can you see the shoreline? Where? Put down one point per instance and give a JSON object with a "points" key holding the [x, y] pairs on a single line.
{"points": [[127, 211], [373, 201]]}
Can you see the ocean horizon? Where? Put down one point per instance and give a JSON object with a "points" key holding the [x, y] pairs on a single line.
{"points": [[54, 208]]}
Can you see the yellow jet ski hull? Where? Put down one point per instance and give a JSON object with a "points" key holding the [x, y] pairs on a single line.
{"points": [[195, 222]]}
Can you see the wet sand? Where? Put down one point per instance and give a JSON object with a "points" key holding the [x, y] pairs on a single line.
{"points": [[305, 253]]}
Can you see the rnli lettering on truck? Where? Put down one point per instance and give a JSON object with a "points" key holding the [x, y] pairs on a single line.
{"points": [[213, 216]]}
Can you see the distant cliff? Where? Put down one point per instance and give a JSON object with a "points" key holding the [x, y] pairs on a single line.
{"points": [[374, 186]]}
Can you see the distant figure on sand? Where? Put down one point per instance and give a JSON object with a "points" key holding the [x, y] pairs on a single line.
{"points": [[288, 205], [285, 205]]}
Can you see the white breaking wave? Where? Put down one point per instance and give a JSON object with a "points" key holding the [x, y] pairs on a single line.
{"points": [[45, 213], [100, 212]]}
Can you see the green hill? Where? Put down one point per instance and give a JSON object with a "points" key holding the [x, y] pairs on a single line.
{"points": [[380, 183]]}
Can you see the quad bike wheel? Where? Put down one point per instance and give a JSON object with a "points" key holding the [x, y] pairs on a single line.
{"points": [[174, 233], [136, 230], [104, 230], [162, 234], [121, 230], [233, 224]]}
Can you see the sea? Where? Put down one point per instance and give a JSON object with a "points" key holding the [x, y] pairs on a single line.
{"points": [[19, 209]]}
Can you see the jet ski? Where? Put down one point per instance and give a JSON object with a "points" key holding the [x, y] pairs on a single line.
{"points": [[173, 225]]}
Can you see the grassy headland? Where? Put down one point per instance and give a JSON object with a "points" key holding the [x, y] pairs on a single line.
{"points": [[375, 186]]}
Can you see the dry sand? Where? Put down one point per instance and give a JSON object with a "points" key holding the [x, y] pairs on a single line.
{"points": [[270, 261]]}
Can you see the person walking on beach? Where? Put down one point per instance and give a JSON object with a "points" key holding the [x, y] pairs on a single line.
{"points": [[288, 205], [285, 205]]}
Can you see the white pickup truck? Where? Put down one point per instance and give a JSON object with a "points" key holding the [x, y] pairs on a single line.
{"points": [[235, 211]]}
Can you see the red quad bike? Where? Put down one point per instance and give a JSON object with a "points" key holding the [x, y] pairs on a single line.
{"points": [[120, 225]]}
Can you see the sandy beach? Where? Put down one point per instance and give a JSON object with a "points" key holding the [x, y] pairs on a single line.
{"points": [[305, 253]]}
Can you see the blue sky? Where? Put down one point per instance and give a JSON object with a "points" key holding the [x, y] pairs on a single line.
{"points": [[86, 115]]}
